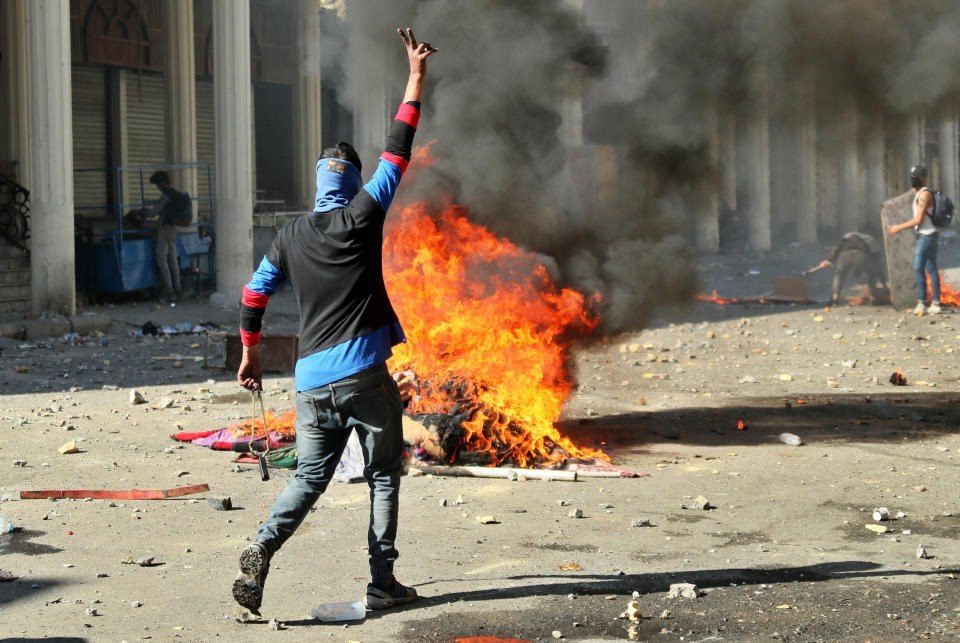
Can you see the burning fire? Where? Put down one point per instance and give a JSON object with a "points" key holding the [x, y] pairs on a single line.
{"points": [[486, 331], [741, 426], [717, 299], [281, 426]]}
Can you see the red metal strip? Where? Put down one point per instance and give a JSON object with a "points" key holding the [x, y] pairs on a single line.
{"points": [[115, 494]]}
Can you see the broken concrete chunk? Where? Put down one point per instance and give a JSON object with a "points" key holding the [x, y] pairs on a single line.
{"points": [[683, 590], [487, 520], [19, 463], [576, 513], [164, 402], [633, 611], [136, 398], [69, 447], [640, 522], [922, 552], [702, 503], [221, 504], [880, 529]]}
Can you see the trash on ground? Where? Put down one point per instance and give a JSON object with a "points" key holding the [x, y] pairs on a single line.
{"points": [[790, 439], [343, 611]]}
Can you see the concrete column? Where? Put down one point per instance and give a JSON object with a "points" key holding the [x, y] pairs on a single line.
{"points": [[853, 184], [727, 158], [233, 123], [13, 87], [947, 145], [915, 140], [180, 98], [757, 166], [119, 150], [51, 159], [369, 91], [806, 154], [308, 101], [707, 226], [875, 160]]}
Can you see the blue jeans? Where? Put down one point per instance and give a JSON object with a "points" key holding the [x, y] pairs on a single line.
{"points": [[925, 262], [369, 402]]}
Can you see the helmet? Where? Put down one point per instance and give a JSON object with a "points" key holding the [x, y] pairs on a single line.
{"points": [[918, 171]]}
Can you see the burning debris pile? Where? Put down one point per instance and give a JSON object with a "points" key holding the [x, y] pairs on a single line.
{"points": [[488, 335]]}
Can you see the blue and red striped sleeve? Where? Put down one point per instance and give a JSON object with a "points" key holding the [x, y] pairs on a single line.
{"points": [[396, 157], [266, 279]]}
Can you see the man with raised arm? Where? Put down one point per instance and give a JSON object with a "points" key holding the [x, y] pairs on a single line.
{"points": [[347, 331]]}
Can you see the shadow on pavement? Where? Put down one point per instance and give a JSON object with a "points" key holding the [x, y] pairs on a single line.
{"points": [[888, 417]]}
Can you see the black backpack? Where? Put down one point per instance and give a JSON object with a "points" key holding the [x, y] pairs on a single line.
{"points": [[181, 208], [942, 210]]}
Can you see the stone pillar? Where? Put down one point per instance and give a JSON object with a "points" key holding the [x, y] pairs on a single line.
{"points": [[180, 99], [52, 277], [875, 160], [233, 123], [853, 183], [757, 166], [707, 226], [308, 141], [807, 158], [915, 141], [948, 151], [13, 87], [727, 158], [119, 150], [369, 91]]}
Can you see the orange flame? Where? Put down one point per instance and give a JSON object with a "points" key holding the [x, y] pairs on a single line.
{"points": [[741, 426], [949, 296], [483, 318], [281, 424], [717, 299]]}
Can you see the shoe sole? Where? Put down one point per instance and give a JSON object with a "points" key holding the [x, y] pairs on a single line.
{"points": [[376, 603], [247, 590]]}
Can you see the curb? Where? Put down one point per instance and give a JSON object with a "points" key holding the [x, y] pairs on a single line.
{"points": [[54, 327]]}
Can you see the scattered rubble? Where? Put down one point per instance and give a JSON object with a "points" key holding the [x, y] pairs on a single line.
{"points": [[221, 504], [683, 590]]}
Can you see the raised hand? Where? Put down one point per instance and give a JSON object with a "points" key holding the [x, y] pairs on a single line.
{"points": [[417, 53]]}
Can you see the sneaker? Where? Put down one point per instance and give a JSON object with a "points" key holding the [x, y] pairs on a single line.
{"points": [[248, 586], [920, 308], [934, 308], [381, 599]]}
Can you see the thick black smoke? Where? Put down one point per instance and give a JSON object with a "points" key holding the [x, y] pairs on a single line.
{"points": [[653, 76]]}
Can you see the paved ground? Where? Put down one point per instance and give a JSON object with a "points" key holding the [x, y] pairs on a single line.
{"points": [[783, 551]]}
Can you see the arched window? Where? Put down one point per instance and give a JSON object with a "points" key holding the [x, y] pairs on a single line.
{"points": [[115, 33]]}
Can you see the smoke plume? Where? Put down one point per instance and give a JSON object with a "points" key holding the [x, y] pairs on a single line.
{"points": [[652, 78]]}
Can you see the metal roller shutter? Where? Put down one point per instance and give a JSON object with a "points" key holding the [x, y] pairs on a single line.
{"points": [[90, 192], [205, 145], [273, 149], [145, 131]]}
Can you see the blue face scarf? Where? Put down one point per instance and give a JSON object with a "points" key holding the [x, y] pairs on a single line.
{"points": [[338, 181]]}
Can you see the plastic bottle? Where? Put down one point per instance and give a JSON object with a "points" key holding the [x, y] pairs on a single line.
{"points": [[791, 439], [5, 525], [345, 611]]}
